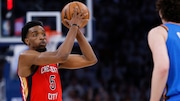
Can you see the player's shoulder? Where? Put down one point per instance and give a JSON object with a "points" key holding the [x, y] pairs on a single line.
{"points": [[28, 53], [158, 30]]}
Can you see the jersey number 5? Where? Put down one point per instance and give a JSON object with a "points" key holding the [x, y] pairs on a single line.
{"points": [[52, 82]]}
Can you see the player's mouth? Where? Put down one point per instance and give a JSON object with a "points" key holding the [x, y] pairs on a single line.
{"points": [[43, 43]]}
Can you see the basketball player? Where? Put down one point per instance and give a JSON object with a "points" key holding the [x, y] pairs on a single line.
{"points": [[38, 69], [164, 42]]}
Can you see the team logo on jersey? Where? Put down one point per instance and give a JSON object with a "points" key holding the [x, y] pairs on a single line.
{"points": [[178, 34], [49, 68]]}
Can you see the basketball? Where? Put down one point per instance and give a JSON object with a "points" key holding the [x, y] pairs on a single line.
{"points": [[68, 10]]}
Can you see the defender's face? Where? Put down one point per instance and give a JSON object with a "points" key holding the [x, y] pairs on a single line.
{"points": [[36, 38]]}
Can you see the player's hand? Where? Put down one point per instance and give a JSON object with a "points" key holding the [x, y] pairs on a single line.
{"points": [[77, 18]]}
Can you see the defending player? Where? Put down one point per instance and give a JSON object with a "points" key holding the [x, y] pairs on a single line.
{"points": [[164, 42]]}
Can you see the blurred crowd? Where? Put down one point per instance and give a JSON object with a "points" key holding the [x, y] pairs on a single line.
{"points": [[123, 72]]}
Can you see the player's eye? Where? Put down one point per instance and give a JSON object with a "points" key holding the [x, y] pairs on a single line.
{"points": [[35, 34], [44, 34]]}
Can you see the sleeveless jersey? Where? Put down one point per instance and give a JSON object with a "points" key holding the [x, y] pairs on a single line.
{"points": [[173, 47], [42, 85]]}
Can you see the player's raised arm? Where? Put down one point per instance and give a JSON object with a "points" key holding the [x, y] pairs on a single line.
{"points": [[87, 58]]}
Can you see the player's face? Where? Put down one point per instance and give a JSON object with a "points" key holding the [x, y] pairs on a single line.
{"points": [[37, 38]]}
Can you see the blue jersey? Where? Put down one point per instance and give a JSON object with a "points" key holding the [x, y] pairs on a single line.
{"points": [[173, 47]]}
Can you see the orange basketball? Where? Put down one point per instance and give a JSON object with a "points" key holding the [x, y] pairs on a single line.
{"points": [[68, 10]]}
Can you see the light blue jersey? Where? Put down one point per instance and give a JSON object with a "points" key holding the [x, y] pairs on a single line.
{"points": [[173, 46]]}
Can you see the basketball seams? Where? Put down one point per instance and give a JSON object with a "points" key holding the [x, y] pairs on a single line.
{"points": [[79, 8], [65, 13], [65, 16], [69, 6]]}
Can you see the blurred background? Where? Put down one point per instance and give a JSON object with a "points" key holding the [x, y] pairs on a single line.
{"points": [[117, 32]]}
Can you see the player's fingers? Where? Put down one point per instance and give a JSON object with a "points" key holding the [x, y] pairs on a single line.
{"points": [[66, 23], [84, 22], [66, 20], [75, 11], [83, 15], [81, 12]]}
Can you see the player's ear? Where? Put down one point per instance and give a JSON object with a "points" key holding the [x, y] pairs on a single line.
{"points": [[160, 14], [27, 41]]}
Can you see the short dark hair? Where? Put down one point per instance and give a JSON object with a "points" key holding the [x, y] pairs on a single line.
{"points": [[170, 9], [26, 28]]}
